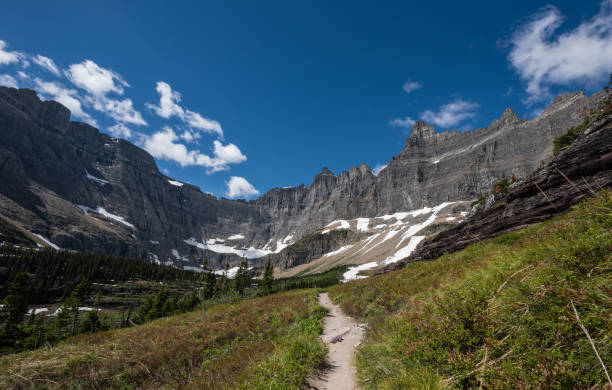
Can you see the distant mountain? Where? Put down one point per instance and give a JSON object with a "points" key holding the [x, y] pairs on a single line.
{"points": [[66, 184]]}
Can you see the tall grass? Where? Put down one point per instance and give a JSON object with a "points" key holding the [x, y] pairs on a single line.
{"points": [[214, 349], [497, 314]]}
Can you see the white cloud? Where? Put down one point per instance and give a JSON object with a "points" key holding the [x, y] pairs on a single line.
{"points": [[22, 75], [582, 55], [47, 63], [410, 86], [95, 79], [451, 114], [99, 82], [168, 107], [120, 130], [239, 187], [119, 110], [8, 57], [406, 122], [164, 144], [65, 96], [8, 81], [378, 168]]}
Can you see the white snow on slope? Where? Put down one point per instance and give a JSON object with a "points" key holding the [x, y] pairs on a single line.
{"points": [[362, 224], [338, 251], [352, 272], [249, 253], [414, 229], [95, 179], [46, 240], [38, 310], [236, 237], [100, 210], [343, 225], [231, 273], [190, 268], [405, 251], [389, 236], [176, 183]]}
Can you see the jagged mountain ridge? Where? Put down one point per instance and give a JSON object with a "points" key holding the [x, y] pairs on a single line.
{"points": [[50, 166]]}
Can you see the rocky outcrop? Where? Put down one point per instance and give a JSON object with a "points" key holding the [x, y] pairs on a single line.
{"points": [[573, 175], [84, 190]]}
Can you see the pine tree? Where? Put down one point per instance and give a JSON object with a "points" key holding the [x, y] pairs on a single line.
{"points": [[16, 301], [241, 278], [268, 278]]}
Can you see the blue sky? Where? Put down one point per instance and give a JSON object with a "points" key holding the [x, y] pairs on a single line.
{"points": [[239, 97]]}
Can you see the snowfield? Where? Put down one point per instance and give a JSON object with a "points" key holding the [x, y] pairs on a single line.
{"points": [[102, 211], [47, 241]]}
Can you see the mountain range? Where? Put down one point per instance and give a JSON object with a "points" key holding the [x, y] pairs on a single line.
{"points": [[66, 184]]}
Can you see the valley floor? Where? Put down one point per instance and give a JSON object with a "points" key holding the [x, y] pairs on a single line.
{"points": [[498, 315]]}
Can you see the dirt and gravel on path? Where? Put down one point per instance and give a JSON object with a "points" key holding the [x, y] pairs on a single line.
{"points": [[342, 334]]}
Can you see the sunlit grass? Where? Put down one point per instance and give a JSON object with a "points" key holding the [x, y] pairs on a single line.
{"points": [[497, 313], [216, 348]]}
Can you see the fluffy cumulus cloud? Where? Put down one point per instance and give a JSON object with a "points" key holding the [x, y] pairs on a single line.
{"points": [[46, 63], [451, 114], [410, 86], [6, 80], [66, 96], [95, 79], [580, 56], [99, 82], [169, 106], [165, 144], [239, 187], [6, 56], [405, 122]]}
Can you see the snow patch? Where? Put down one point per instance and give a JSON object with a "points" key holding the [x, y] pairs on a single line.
{"points": [[338, 251], [249, 253], [231, 273], [405, 251], [38, 310], [102, 211], [451, 218], [236, 237], [352, 273], [154, 242], [190, 268], [176, 183], [362, 224], [46, 241], [343, 225], [95, 179]]}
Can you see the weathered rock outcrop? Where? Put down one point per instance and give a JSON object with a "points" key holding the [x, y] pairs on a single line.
{"points": [[84, 190], [579, 172]]}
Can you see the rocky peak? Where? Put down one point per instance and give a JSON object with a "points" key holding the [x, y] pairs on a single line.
{"points": [[507, 118], [326, 171], [422, 130]]}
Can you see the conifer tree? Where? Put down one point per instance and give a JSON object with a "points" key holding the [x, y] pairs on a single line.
{"points": [[16, 303], [268, 278]]}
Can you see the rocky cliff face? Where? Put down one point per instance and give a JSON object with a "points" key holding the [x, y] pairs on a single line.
{"points": [[83, 190], [580, 172]]}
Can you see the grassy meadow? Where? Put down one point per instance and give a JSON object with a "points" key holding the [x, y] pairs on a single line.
{"points": [[497, 314], [263, 343]]}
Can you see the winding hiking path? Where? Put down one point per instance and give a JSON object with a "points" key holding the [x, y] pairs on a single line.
{"points": [[342, 335]]}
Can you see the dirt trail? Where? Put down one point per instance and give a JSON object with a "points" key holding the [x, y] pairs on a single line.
{"points": [[342, 335]]}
